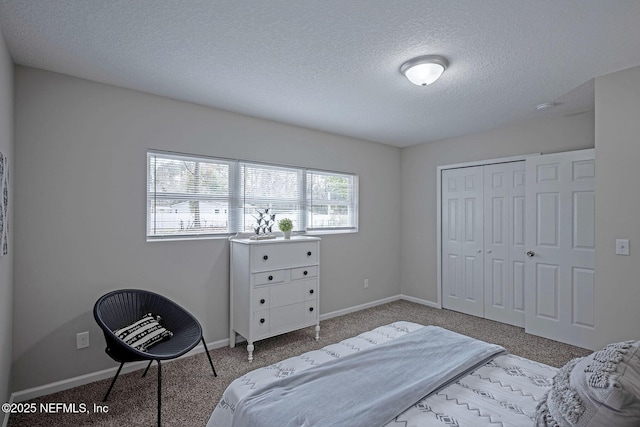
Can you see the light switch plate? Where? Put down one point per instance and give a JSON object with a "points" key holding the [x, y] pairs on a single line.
{"points": [[622, 246]]}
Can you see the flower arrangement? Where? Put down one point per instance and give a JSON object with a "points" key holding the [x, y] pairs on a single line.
{"points": [[285, 224]]}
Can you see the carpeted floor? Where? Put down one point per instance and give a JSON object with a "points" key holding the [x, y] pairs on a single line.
{"points": [[190, 391]]}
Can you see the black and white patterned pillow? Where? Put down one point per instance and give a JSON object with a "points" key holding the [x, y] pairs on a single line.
{"points": [[144, 333]]}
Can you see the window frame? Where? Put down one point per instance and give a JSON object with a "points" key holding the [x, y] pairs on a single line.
{"points": [[151, 196], [236, 199], [353, 202]]}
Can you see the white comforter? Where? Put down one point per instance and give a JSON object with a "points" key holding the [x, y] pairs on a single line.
{"points": [[505, 390]]}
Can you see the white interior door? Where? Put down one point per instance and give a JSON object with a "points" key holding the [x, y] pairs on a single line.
{"points": [[560, 235], [462, 240], [504, 237]]}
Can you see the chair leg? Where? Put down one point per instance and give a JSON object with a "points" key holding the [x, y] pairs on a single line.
{"points": [[113, 382], [159, 393], [206, 351], [147, 370]]}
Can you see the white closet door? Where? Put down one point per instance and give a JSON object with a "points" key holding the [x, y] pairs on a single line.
{"points": [[504, 237], [462, 240], [560, 265]]}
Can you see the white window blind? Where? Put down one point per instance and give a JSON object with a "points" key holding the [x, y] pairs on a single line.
{"points": [[277, 188], [187, 195], [331, 201], [197, 196]]}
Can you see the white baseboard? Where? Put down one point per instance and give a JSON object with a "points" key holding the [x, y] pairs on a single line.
{"points": [[43, 390], [420, 301], [358, 307], [32, 393]]}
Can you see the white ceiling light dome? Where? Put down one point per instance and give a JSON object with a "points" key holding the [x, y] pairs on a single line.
{"points": [[424, 70]]}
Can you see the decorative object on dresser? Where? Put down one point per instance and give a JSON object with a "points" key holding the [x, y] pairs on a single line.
{"points": [[285, 225], [264, 222], [274, 287]]}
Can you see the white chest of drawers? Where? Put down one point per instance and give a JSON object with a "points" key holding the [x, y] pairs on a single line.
{"points": [[274, 287]]}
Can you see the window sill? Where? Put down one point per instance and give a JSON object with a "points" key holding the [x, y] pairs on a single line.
{"points": [[226, 236], [328, 232]]}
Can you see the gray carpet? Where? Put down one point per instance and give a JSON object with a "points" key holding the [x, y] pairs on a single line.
{"points": [[190, 391]]}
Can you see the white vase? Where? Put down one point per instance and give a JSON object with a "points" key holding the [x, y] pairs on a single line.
{"points": [[287, 234]]}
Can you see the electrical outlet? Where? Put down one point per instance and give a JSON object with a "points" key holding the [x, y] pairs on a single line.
{"points": [[82, 340], [366, 283], [622, 246]]}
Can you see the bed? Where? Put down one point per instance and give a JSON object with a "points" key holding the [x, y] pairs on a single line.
{"points": [[406, 374]]}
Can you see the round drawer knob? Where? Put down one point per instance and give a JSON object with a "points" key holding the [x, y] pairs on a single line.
{"points": [[310, 308], [262, 320], [311, 291], [266, 257], [270, 277], [262, 301], [305, 272], [309, 253]]}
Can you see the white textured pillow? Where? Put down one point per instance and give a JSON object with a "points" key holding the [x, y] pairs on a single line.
{"points": [[144, 333], [602, 389]]}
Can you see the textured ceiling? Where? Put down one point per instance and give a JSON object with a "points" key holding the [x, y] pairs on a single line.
{"points": [[333, 65]]}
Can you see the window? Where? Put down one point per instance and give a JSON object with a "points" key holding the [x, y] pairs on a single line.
{"points": [[201, 196], [274, 187], [331, 201], [185, 195]]}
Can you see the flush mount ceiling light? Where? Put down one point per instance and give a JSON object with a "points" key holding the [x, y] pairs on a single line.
{"points": [[424, 70]]}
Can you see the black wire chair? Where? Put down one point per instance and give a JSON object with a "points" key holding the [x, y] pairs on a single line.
{"points": [[120, 308]]}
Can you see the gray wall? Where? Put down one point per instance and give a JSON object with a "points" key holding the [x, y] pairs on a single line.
{"points": [[419, 249], [617, 129], [6, 262], [80, 193]]}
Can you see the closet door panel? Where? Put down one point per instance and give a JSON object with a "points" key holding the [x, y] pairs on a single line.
{"points": [[517, 247], [462, 240], [504, 201], [496, 194], [472, 244]]}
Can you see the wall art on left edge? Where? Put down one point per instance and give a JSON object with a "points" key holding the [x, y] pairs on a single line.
{"points": [[4, 204]]}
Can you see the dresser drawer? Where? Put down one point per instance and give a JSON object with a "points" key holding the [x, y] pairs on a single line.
{"points": [[304, 272], [283, 255], [286, 294], [310, 311], [261, 322], [261, 299], [270, 277], [310, 290], [287, 318]]}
